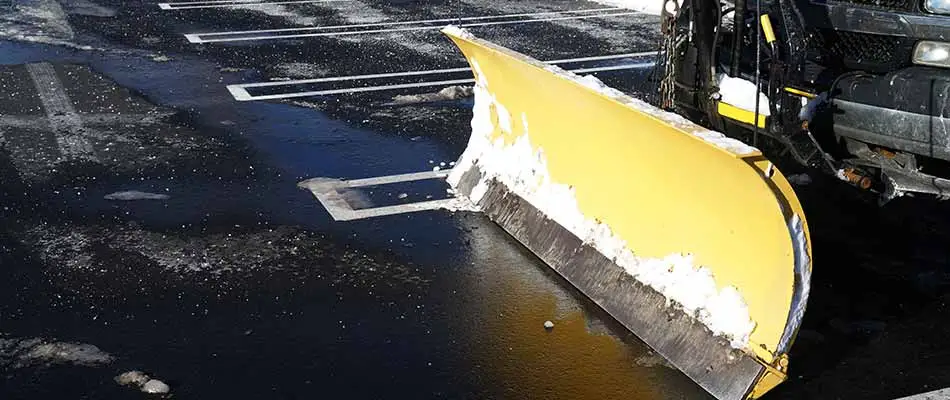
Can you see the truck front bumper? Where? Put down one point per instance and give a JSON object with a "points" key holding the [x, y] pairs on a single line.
{"points": [[906, 110]]}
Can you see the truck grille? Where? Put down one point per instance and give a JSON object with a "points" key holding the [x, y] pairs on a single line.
{"points": [[852, 50], [890, 5]]}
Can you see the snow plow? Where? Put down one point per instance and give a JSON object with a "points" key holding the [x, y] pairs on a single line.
{"points": [[692, 240]]}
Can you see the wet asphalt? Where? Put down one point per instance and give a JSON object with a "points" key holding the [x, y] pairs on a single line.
{"points": [[238, 284]]}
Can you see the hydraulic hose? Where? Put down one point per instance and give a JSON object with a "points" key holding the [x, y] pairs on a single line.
{"points": [[738, 29]]}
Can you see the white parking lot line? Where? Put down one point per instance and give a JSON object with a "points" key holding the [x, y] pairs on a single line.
{"points": [[235, 3], [240, 93], [431, 71], [351, 90], [941, 394], [66, 123], [328, 193], [339, 29], [388, 179]]}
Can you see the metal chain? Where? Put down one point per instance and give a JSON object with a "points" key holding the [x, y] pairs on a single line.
{"points": [[668, 50]]}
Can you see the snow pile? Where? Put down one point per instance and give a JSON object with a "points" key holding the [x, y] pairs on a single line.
{"points": [[20, 353], [741, 93], [457, 204], [653, 7], [524, 171], [456, 31]]}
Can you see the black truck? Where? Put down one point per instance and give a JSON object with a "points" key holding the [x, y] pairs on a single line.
{"points": [[858, 88]]}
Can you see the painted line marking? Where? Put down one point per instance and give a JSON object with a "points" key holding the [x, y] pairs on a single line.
{"points": [[236, 3], [327, 191], [414, 22], [389, 179], [62, 116], [940, 394], [430, 72], [197, 37], [241, 94]]}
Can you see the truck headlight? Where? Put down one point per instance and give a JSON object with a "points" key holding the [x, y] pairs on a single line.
{"points": [[935, 54], [937, 6]]}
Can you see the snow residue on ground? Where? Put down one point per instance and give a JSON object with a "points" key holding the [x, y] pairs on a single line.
{"points": [[614, 34], [301, 70], [31, 352], [86, 7], [447, 94], [39, 21], [356, 12], [645, 6], [279, 11], [523, 170]]}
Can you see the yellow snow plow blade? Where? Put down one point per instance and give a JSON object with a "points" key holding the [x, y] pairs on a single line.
{"points": [[692, 240]]}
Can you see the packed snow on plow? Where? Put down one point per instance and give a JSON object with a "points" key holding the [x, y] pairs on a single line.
{"points": [[692, 240]]}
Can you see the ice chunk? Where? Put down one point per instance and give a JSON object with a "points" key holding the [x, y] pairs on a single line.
{"points": [[137, 378], [447, 94], [155, 386], [799, 179]]}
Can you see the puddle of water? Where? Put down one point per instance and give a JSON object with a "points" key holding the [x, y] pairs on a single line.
{"points": [[503, 304], [12, 53]]}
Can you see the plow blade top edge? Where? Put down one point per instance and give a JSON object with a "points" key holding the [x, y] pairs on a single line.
{"points": [[692, 240]]}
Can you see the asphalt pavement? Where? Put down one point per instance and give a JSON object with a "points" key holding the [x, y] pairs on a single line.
{"points": [[152, 220]]}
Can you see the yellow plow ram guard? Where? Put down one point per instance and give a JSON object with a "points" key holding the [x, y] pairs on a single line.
{"points": [[693, 241]]}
